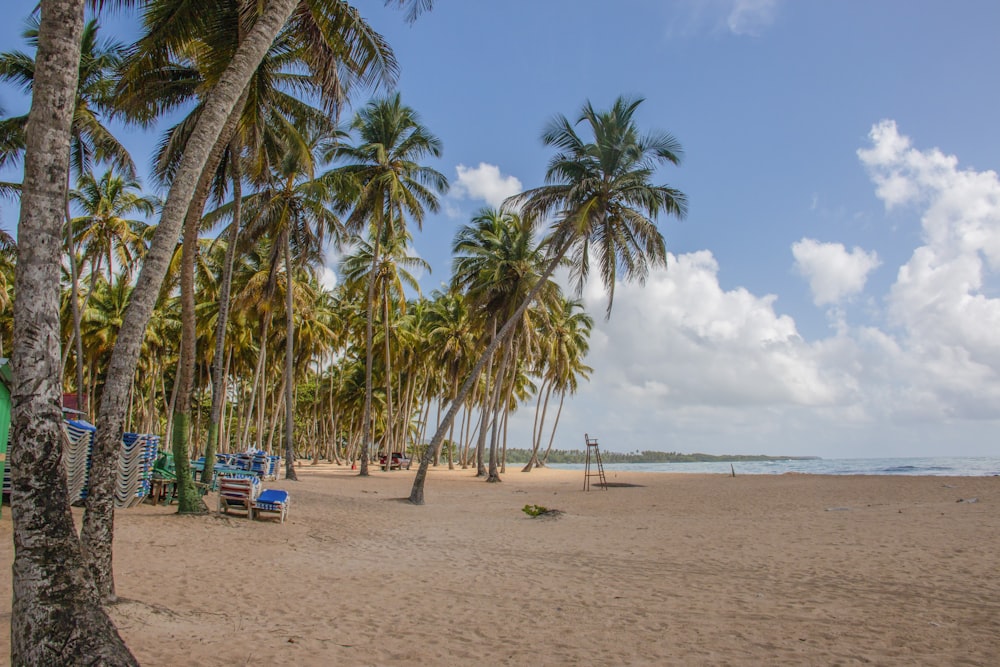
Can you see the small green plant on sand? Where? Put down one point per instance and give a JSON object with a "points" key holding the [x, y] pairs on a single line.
{"points": [[534, 510]]}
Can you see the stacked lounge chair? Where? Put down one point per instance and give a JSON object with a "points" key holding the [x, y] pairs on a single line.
{"points": [[76, 457], [135, 464], [238, 491], [135, 468]]}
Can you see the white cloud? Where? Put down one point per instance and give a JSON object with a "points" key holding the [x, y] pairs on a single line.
{"points": [[737, 17], [484, 182], [834, 274], [750, 17], [686, 365]]}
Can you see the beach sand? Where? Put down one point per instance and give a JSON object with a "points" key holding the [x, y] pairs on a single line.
{"points": [[676, 570]]}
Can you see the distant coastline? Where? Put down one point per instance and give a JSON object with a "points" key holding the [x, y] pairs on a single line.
{"points": [[579, 456]]}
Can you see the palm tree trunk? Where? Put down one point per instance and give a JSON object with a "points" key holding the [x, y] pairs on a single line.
{"points": [[289, 364], [417, 491], [98, 521], [366, 426], [56, 616], [537, 441], [75, 301], [497, 407], [188, 499], [218, 358], [256, 389], [555, 424], [389, 444]]}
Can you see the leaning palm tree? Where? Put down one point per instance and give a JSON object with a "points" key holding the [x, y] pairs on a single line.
{"points": [[218, 110], [392, 187], [498, 263], [598, 189]]}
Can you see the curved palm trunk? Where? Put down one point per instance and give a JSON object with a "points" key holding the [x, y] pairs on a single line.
{"points": [[56, 616], [289, 359], [555, 425], [533, 459], [496, 408], [218, 358], [417, 491], [98, 522]]}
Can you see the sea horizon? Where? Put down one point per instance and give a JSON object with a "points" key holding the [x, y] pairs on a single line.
{"points": [[945, 466]]}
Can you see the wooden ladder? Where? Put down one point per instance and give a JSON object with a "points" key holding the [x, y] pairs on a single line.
{"points": [[593, 454]]}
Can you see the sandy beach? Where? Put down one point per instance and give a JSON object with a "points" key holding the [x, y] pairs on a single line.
{"points": [[661, 570]]}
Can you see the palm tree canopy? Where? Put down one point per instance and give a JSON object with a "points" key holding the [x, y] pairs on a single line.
{"points": [[91, 141], [391, 183], [598, 189]]}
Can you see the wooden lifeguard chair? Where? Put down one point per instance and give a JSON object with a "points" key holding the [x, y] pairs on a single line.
{"points": [[593, 455]]}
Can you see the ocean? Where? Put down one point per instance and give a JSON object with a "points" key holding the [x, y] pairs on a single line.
{"points": [[944, 466]]}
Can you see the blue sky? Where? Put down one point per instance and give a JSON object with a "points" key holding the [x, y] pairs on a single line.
{"points": [[834, 289]]}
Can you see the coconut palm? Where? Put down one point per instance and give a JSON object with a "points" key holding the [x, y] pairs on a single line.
{"points": [[497, 263], [393, 188], [599, 193], [106, 230], [565, 344], [389, 276], [56, 617], [90, 141], [221, 107], [295, 209]]}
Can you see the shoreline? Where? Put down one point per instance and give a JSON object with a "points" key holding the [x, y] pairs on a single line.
{"points": [[692, 568]]}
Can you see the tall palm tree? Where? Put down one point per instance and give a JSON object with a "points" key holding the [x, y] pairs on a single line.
{"points": [[389, 276], [91, 141], [566, 343], [498, 264], [598, 189], [295, 208], [106, 230], [204, 140], [392, 187], [56, 616]]}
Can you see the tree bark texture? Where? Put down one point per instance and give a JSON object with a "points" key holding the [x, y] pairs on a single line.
{"points": [[56, 618]]}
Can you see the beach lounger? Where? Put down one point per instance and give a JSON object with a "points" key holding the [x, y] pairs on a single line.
{"points": [[272, 500], [239, 493]]}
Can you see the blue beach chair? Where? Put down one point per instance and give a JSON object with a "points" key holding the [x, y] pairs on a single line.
{"points": [[273, 500]]}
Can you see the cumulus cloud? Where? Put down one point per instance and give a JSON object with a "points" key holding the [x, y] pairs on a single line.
{"points": [[942, 295], [696, 343], [687, 365], [834, 274], [484, 182]]}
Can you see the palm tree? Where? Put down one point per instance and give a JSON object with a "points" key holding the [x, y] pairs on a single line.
{"points": [[90, 140], [392, 186], [216, 113], [600, 193], [566, 336], [388, 275], [498, 263], [105, 231], [56, 617], [294, 208]]}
